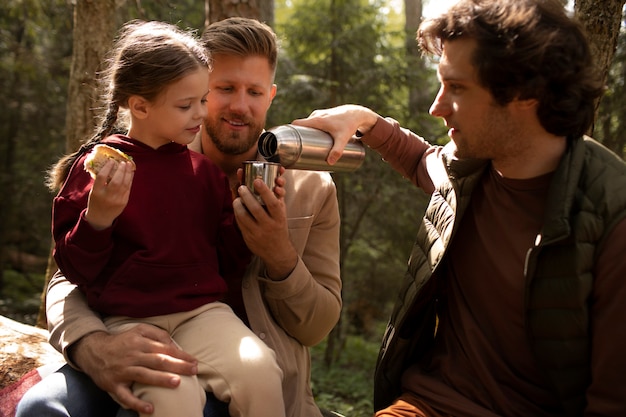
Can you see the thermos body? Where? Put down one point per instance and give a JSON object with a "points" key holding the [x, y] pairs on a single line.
{"points": [[299, 147]]}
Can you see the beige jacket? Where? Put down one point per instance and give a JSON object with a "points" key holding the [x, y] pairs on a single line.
{"points": [[289, 315]]}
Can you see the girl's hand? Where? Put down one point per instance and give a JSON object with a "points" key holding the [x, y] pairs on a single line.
{"points": [[109, 194]]}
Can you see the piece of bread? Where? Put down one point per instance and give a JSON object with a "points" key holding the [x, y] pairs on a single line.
{"points": [[100, 155]]}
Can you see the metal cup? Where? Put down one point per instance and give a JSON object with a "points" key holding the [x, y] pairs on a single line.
{"points": [[266, 171]]}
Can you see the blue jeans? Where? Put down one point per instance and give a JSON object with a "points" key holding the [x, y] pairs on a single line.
{"points": [[51, 398]]}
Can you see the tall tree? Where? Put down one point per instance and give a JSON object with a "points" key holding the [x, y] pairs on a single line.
{"points": [[413, 13], [94, 30], [421, 78], [611, 122], [602, 21]]}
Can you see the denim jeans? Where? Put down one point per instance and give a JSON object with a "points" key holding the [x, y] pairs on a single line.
{"points": [[51, 398], [213, 408]]}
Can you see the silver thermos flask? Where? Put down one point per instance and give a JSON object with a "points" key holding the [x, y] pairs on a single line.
{"points": [[299, 147]]}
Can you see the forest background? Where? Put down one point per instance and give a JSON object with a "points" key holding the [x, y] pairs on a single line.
{"points": [[332, 52]]}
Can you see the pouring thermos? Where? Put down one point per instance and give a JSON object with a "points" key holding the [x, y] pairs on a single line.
{"points": [[299, 147]]}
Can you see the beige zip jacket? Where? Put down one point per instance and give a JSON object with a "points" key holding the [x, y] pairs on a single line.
{"points": [[289, 315]]}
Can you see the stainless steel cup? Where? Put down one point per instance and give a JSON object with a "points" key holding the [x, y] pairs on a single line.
{"points": [[299, 147], [266, 171]]}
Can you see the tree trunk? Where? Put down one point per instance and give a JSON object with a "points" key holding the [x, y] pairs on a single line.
{"points": [[611, 120], [94, 30], [262, 10], [601, 20], [415, 67]]}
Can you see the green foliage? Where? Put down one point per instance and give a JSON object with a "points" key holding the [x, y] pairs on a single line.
{"points": [[35, 51], [346, 387], [22, 296], [380, 212], [22, 286], [336, 52]]}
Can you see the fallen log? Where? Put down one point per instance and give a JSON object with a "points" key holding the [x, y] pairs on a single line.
{"points": [[23, 348]]}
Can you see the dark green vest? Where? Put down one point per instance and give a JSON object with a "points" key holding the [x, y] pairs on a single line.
{"points": [[587, 199]]}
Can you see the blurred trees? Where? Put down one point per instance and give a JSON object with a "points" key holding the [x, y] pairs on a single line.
{"points": [[333, 52], [35, 51], [353, 56]]}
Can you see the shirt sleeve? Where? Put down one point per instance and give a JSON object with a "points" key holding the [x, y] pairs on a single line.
{"points": [[80, 251], [69, 316], [406, 152], [605, 395]]}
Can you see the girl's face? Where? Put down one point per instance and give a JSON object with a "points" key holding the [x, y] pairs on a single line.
{"points": [[176, 115]]}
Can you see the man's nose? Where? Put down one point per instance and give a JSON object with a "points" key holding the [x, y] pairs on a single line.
{"points": [[239, 101], [440, 106]]}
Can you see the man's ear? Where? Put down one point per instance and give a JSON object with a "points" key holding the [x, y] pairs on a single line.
{"points": [[138, 107], [527, 103], [272, 95]]}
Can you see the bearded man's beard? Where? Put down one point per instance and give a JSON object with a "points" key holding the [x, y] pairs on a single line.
{"points": [[233, 143]]}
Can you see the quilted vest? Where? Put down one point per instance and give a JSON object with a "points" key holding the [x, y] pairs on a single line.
{"points": [[587, 199]]}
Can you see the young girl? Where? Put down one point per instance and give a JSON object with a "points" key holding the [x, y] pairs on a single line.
{"points": [[159, 253]]}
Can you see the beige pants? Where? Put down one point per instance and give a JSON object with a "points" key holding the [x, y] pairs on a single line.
{"points": [[233, 363]]}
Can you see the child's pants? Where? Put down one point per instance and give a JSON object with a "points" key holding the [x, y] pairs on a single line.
{"points": [[233, 363]]}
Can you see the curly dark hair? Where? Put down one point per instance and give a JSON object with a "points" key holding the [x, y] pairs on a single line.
{"points": [[525, 49]]}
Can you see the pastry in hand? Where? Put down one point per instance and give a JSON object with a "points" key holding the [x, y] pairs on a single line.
{"points": [[100, 155]]}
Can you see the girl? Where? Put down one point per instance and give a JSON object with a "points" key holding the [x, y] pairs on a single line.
{"points": [[159, 253]]}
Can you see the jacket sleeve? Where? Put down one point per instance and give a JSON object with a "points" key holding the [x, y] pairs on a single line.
{"points": [[80, 251], [408, 153], [605, 395], [69, 316], [307, 304]]}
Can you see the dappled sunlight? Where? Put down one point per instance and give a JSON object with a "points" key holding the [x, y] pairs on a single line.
{"points": [[249, 349]]}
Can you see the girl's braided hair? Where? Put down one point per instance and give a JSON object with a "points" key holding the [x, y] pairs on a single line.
{"points": [[145, 59]]}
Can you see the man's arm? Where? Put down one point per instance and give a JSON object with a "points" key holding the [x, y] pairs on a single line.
{"points": [[302, 285], [405, 151], [143, 354], [605, 396]]}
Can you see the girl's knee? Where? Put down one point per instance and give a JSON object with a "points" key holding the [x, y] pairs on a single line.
{"points": [[187, 399]]}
